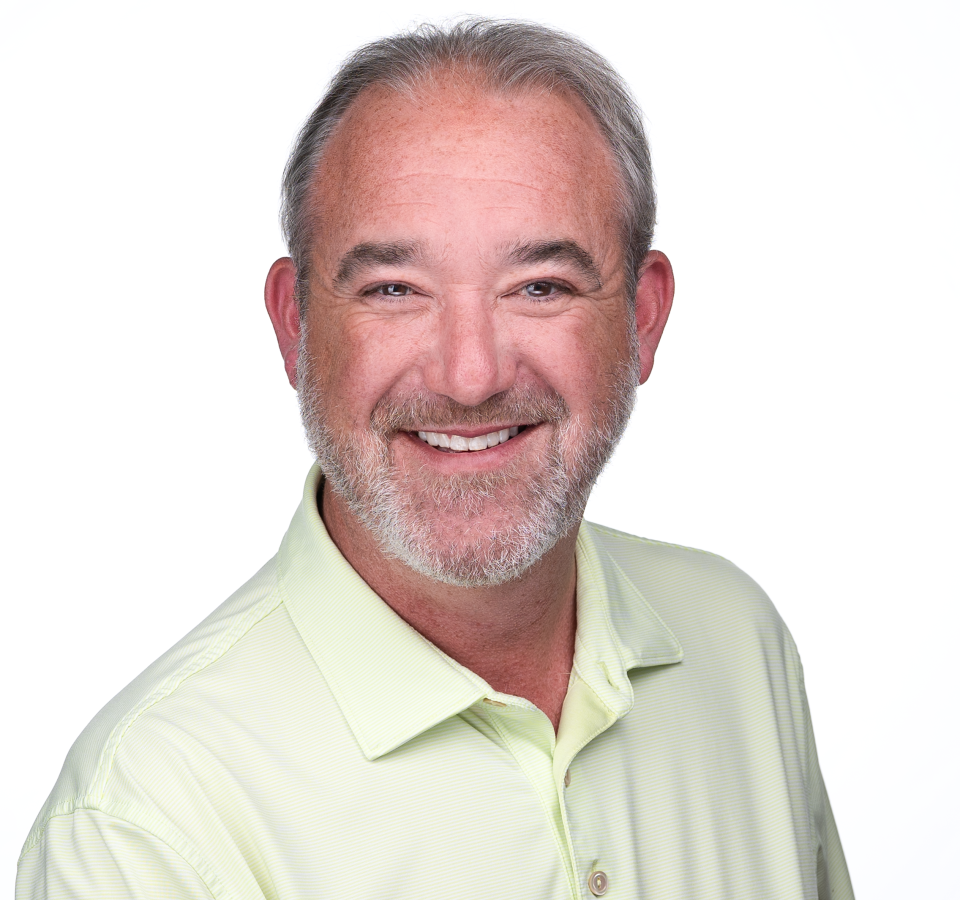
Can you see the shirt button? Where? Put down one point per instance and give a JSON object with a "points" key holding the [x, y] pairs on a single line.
{"points": [[597, 882], [566, 779]]}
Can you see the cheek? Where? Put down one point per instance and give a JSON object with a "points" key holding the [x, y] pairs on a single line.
{"points": [[579, 355], [361, 359]]}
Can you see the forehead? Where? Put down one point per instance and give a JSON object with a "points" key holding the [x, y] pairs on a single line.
{"points": [[457, 157]]}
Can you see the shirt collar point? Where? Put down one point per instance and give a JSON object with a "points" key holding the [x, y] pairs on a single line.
{"points": [[386, 737]]}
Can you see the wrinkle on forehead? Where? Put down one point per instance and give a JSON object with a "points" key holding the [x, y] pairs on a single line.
{"points": [[465, 135]]}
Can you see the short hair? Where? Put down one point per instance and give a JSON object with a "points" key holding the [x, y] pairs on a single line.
{"points": [[504, 56]]}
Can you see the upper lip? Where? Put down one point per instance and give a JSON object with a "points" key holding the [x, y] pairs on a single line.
{"points": [[475, 431]]}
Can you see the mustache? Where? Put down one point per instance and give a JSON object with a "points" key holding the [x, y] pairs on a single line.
{"points": [[419, 411]]}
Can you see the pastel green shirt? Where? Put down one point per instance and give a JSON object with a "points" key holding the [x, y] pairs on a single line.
{"points": [[304, 742]]}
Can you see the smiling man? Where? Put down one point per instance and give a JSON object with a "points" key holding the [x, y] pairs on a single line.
{"points": [[446, 683]]}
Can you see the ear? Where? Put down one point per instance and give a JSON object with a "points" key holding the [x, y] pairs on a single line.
{"points": [[280, 295], [654, 301]]}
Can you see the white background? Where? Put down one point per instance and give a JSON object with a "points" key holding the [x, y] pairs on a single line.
{"points": [[801, 419]]}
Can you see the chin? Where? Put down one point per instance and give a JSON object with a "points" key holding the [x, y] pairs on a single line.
{"points": [[467, 532], [493, 560]]}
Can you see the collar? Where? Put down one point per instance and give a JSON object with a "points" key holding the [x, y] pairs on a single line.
{"points": [[617, 630], [392, 684]]}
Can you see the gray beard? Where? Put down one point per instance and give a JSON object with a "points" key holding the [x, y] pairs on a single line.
{"points": [[406, 524]]}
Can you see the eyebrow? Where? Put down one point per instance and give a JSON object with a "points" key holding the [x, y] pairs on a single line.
{"points": [[398, 253], [387, 253], [557, 251]]}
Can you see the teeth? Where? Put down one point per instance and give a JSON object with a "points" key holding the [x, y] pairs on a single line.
{"points": [[462, 444]]}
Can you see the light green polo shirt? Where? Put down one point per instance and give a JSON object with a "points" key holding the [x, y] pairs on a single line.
{"points": [[304, 742]]}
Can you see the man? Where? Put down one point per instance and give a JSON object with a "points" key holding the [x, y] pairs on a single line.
{"points": [[445, 684]]}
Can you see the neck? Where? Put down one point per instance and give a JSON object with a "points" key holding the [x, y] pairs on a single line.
{"points": [[519, 636]]}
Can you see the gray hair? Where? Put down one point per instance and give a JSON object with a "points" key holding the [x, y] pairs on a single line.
{"points": [[504, 56]]}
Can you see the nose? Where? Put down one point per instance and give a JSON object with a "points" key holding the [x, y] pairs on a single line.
{"points": [[470, 358]]}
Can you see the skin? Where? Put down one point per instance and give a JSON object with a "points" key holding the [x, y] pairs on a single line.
{"points": [[468, 177]]}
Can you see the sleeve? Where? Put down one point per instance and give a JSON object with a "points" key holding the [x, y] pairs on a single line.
{"points": [[833, 878], [89, 854]]}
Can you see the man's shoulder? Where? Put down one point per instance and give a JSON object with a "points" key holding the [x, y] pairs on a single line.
{"points": [[86, 780], [651, 558], [686, 584]]}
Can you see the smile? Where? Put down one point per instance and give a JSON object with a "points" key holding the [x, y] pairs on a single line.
{"points": [[459, 444]]}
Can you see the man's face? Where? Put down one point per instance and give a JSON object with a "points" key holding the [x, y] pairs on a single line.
{"points": [[466, 292]]}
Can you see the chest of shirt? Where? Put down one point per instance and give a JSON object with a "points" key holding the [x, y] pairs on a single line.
{"points": [[685, 795]]}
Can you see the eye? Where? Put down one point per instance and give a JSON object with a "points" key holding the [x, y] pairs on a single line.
{"points": [[394, 289], [539, 290]]}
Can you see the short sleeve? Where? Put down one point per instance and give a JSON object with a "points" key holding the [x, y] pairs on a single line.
{"points": [[89, 855]]}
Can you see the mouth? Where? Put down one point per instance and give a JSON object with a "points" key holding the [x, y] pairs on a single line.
{"points": [[458, 443]]}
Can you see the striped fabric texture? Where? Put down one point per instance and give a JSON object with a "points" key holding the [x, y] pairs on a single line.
{"points": [[304, 742]]}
